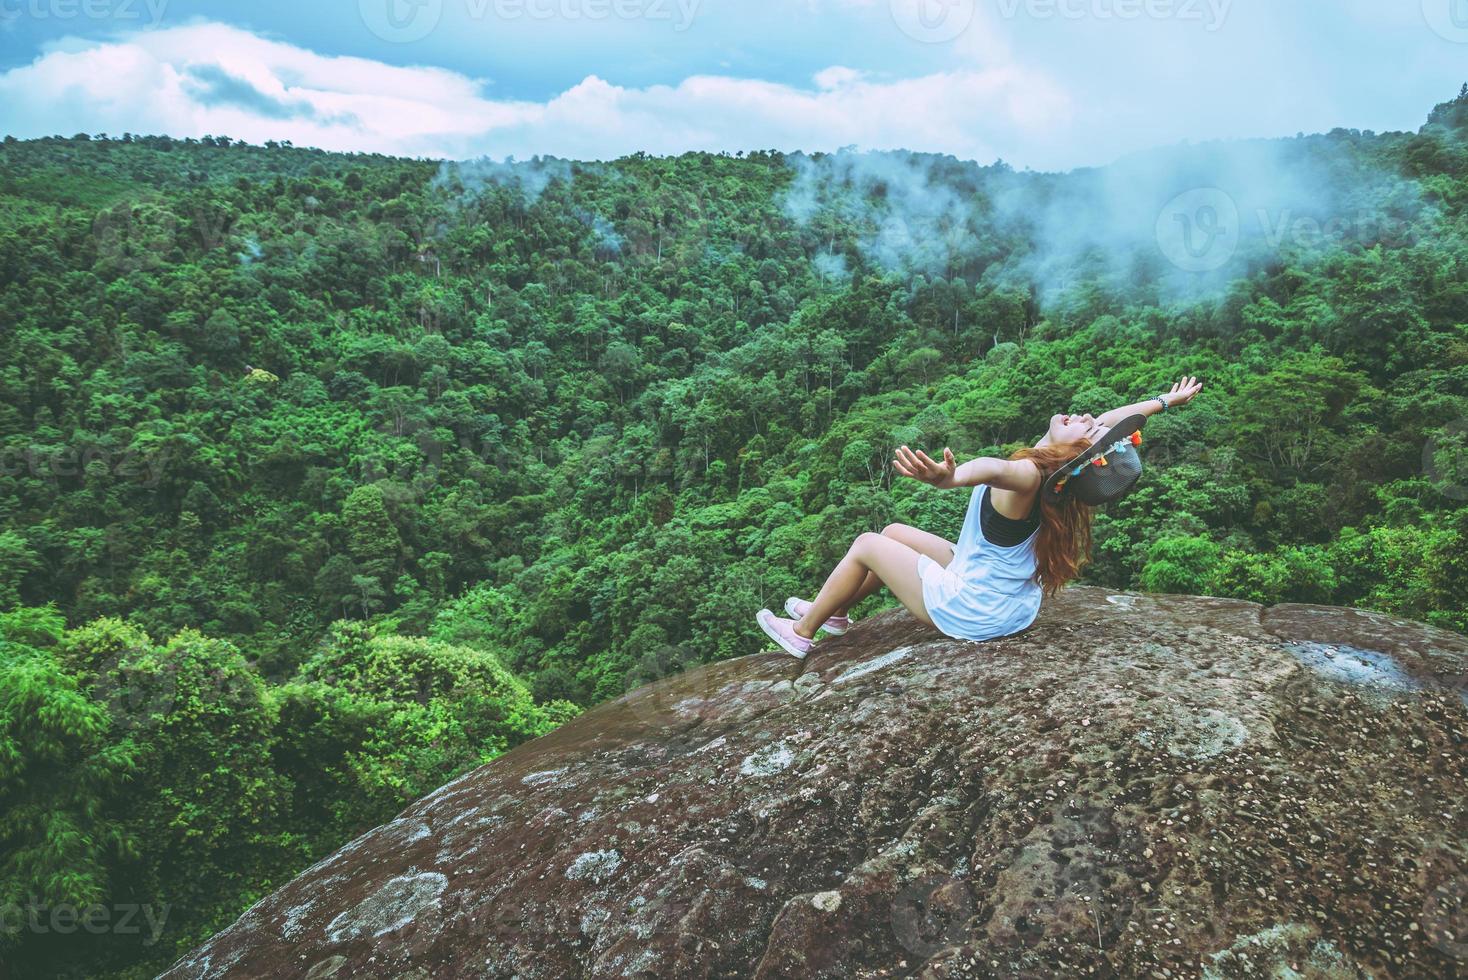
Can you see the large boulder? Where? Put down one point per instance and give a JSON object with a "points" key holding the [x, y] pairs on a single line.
{"points": [[1138, 786]]}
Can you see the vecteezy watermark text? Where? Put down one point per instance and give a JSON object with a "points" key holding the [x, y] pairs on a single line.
{"points": [[55, 462], [1286, 226], [129, 11], [1210, 13], [936, 21], [64, 918], [405, 21], [1200, 229], [679, 12]]}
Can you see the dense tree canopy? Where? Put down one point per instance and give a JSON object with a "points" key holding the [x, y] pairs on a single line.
{"points": [[326, 477]]}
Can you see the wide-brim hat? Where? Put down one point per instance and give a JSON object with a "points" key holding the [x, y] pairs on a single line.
{"points": [[1104, 472]]}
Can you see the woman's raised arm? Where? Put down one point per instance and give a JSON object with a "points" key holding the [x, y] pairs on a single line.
{"points": [[1005, 474], [1182, 392]]}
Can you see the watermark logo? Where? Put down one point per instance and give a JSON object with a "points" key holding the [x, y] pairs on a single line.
{"points": [[132, 238], [668, 687], [1445, 460], [1445, 909], [1198, 231], [932, 21], [1458, 685], [138, 698], [400, 21], [932, 913], [1447, 18]]}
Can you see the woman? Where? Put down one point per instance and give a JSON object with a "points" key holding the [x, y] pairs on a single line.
{"points": [[1014, 547]]}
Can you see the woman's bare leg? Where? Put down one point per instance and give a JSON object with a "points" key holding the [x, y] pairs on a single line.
{"points": [[936, 548], [893, 563]]}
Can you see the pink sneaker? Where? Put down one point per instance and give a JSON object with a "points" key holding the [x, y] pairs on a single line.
{"points": [[782, 631], [836, 625]]}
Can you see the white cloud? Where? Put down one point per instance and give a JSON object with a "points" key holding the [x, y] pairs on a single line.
{"points": [[837, 76], [215, 79]]}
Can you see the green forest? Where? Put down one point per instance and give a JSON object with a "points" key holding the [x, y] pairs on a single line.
{"points": [[326, 477]]}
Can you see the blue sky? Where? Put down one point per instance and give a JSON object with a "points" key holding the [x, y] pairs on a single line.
{"points": [[1050, 84]]}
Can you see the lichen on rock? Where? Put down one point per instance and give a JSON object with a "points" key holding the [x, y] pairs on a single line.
{"points": [[394, 905], [594, 865]]}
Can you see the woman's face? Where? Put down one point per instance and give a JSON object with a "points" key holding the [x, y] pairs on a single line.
{"points": [[1068, 428]]}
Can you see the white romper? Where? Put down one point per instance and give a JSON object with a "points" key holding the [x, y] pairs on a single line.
{"points": [[987, 590]]}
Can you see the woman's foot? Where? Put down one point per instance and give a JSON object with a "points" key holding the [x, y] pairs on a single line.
{"points": [[782, 631], [836, 625]]}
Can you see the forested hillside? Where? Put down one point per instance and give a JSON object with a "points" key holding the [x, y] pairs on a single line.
{"points": [[326, 477]]}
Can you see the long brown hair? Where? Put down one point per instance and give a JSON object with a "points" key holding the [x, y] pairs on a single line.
{"points": [[1063, 544]]}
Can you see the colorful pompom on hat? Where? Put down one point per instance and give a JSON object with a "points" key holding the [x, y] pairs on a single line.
{"points": [[1106, 471]]}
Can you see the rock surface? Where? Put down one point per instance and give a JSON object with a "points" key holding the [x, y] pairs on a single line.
{"points": [[1136, 786]]}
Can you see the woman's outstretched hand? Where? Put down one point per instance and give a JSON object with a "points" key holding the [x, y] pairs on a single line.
{"points": [[919, 466], [1183, 391]]}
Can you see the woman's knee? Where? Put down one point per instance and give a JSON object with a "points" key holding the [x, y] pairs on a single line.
{"points": [[864, 542], [895, 530]]}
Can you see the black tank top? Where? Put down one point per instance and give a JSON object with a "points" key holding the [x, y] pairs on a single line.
{"points": [[1006, 531]]}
